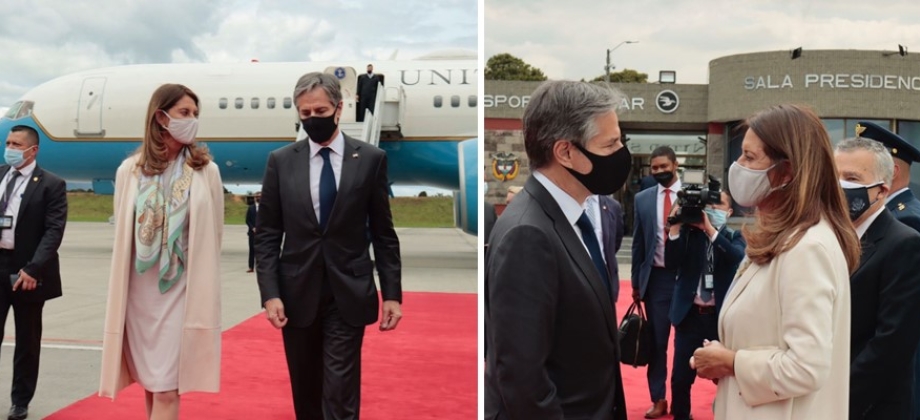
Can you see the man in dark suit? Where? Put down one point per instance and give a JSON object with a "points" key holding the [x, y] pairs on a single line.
{"points": [[885, 290], [251, 228], [552, 336], [706, 256], [900, 202], [612, 229], [320, 198], [367, 91], [34, 212], [652, 282]]}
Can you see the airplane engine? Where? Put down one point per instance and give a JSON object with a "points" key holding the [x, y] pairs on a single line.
{"points": [[467, 199]]}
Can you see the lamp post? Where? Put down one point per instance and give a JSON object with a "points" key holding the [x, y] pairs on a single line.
{"points": [[609, 67]]}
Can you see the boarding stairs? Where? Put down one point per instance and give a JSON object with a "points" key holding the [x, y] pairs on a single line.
{"points": [[386, 120]]}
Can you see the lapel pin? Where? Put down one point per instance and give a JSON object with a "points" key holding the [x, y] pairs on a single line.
{"points": [[355, 155], [35, 179]]}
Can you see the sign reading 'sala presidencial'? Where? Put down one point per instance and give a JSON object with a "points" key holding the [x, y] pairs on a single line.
{"points": [[834, 81]]}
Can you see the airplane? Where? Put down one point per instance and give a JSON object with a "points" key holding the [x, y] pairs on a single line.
{"points": [[426, 121]]}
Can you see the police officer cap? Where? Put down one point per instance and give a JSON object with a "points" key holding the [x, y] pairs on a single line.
{"points": [[899, 147]]}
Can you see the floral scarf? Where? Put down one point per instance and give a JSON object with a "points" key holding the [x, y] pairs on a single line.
{"points": [[160, 222]]}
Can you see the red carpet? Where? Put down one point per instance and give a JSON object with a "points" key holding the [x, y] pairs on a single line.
{"points": [[636, 385], [425, 369]]}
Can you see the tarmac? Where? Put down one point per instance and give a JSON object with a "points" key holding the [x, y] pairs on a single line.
{"points": [[433, 260]]}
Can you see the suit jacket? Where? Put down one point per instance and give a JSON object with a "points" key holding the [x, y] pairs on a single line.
{"points": [[552, 348], [367, 86], [906, 208], [251, 218], [39, 232], [687, 254], [291, 272], [885, 321], [199, 349], [488, 220], [613, 228], [789, 322], [646, 237]]}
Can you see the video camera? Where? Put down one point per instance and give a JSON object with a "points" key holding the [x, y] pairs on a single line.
{"points": [[694, 197]]}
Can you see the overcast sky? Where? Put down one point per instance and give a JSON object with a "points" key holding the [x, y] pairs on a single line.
{"points": [[568, 39], [43, 39]]}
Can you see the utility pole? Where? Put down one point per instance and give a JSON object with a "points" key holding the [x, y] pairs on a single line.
{"points": [[609, 67]]}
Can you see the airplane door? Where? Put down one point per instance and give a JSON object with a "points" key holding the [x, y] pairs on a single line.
{"points": [[349, 81], [89, 110]]}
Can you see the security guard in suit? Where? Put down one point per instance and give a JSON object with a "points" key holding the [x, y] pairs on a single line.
{"points": [[901, 203]]}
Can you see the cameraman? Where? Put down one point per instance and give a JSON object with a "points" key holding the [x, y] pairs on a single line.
{"points": [[706, 256]]}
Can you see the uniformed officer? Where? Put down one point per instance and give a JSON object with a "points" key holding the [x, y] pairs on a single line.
{"points": [[901, 203]]}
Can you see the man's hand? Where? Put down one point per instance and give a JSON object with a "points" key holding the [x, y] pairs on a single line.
{"points": [[25, 281], [274, 311], [390, 315], [635, 295]]}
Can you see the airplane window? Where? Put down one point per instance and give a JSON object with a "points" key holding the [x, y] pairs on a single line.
{"points": [[19, 110], [270, 102], [255, 103], [437, 101], [455, 101], [222, 103], [287, 102], [472, 101], [11, 114], [238, 103]]}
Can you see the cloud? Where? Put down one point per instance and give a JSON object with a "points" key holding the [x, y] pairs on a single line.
{"points": [[569, 39], [45, 39]]}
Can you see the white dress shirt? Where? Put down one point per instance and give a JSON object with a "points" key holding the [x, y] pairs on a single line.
{"points": [[864, 226], [570, 208], [316, 166], [12, 209], [593, 210], [659, 206]]}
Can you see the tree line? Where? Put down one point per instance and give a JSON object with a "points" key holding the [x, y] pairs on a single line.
{"points": [[505, 66]]}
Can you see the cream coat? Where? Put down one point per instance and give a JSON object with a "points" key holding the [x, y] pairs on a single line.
{"points": [[199, 355], [789, 322]]}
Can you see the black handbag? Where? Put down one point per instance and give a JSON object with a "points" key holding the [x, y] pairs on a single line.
{"points": [[635, 337]]}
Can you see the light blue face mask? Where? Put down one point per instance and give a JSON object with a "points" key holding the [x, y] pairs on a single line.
{"points": [[13, 157], [716, 217]]}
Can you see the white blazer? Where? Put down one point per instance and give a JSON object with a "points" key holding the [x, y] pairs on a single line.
{"points": [[789, 322]]}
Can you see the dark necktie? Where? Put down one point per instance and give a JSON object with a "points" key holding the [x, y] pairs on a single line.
{"points": [[327, 189], [5, 202], [590, 239]]}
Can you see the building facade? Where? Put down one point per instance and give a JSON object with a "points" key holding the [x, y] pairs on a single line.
{"points": [[700, 122]]}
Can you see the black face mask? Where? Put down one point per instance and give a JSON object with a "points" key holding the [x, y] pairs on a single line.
{"points": [[608, 173], [664, 178], [370, 71], [319, 129], [858, 199]]}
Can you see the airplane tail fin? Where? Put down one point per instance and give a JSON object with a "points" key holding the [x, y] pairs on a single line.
{"points": [[393, 56]]}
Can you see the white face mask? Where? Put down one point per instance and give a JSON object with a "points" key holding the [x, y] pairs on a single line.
{"points": [[183, 130], [749, 186]]}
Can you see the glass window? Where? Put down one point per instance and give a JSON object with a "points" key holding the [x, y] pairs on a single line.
{"points": [[438, 100], [455, 101], [287, 102], [835, 129], [222, 103], [254, 103], [238, 103], [471, 101], [270, 102]]}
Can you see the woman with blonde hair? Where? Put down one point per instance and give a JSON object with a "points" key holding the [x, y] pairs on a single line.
{"points": [[162, 324], [785, 323]]}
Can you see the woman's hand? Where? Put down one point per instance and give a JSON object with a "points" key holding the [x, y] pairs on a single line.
{"points": [[713, 361]]}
